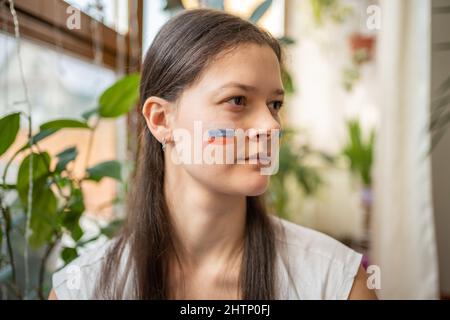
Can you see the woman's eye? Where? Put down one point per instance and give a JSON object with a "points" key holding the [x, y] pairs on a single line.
{"points": [[238, 100], [276, 105]]}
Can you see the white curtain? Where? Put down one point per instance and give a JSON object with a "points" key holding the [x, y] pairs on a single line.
{"points": [[404, 244]]}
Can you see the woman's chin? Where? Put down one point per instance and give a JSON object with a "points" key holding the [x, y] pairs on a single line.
{"points": [[255, 184]]}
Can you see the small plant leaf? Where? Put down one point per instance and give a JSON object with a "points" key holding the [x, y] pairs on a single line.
{"points": [[64, 123], [110, 169], [120, 98], [9, 127], [65, 157]]}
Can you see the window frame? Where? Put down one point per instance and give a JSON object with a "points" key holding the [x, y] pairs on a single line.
{"points": [[44, 21]]}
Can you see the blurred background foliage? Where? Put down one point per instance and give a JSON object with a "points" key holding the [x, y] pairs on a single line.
{"points": [[55, 194]]}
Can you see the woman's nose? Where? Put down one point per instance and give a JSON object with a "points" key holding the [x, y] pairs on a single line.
{"points": [[265, 124]]}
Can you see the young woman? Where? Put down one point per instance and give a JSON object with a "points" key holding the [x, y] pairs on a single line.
{"points": [[201, 231]]}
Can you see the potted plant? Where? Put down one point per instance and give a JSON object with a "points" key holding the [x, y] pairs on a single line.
{"points": [[359, 153]]}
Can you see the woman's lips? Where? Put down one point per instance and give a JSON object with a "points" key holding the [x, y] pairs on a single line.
{"points": [[259, 157]]}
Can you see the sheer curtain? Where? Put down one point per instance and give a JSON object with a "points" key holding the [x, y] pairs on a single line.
{"points": [[404, 245]]}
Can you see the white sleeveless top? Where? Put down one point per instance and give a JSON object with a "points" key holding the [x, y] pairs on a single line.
{"points": [[309, 265]]}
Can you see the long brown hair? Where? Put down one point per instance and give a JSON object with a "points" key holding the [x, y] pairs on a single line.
{"points": [[179, 53]]}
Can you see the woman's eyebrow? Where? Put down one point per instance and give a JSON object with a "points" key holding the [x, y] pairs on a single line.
{"points": [[248, 88]]}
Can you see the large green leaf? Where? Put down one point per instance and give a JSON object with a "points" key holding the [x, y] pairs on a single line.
{"points": [[64, 123], [44, 202], [110, 169], [120, 98], [260, 11], [9, 127], [65, 157], [43, 215], [41, 170]]}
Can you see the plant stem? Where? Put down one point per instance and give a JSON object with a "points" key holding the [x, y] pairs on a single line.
{"points": [[7, 217], [7, 167], [90, 143]]}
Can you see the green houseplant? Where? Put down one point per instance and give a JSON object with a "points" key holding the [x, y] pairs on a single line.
{"points": [[49, 203], [359, 153]]}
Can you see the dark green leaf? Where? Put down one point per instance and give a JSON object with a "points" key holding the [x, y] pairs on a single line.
{"points": [[41, 135], [44, 203], [43, 215], [120, 98], [110, 169], [260, 11], [9, 127], [41, 170], [65, 157], [64, 123], [69, 254], [72, 214]]}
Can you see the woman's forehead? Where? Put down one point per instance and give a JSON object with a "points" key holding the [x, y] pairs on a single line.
{"points": [[251, 65]]}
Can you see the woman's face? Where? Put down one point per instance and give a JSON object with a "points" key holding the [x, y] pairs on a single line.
{"points": [[239, 90]]}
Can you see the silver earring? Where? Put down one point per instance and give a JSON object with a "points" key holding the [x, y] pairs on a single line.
{"points": [[163, 144]]}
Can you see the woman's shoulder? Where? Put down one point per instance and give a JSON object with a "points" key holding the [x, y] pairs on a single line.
{"points": [[311, 242], [77, 279], [318, 266]]}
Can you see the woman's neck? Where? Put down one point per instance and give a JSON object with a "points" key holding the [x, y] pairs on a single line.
{"points": [[209, 226]]}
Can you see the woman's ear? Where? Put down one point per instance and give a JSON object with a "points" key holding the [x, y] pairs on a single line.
{"points": [[156, 112]]}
